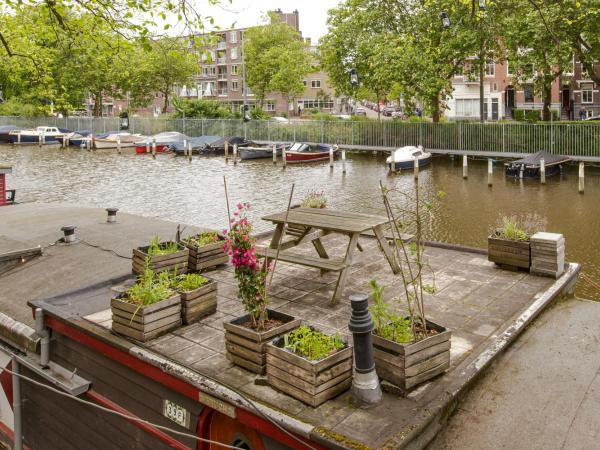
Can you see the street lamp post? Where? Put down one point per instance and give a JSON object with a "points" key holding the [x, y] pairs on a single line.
{"points": [[354, 82]]}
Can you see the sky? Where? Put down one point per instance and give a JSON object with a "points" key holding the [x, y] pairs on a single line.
{"points": [[246, 13]]}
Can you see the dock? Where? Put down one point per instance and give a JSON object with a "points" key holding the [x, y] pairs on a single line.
{"points": [[485, 307]]}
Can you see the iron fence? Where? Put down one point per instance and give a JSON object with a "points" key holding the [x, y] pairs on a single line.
{"points": [[573, 139]]}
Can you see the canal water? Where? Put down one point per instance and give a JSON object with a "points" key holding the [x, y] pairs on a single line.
{"points": [[174, 189]]}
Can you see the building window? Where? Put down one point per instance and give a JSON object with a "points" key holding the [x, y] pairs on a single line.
{"points": [[490, 68], [315, 84], [208, 71], [269, 106], [304, 82], [460, 70], [315, 104], [235, 85], [587, 93], [233, 37], [585, 75], [234, 53], [466, 107], [528, 93], [234, 69]]}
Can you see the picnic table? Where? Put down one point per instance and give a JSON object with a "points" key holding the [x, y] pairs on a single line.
{"points": [[310, 225]]}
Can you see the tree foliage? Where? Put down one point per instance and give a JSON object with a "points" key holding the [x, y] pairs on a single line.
{"points": [[277, 60]]}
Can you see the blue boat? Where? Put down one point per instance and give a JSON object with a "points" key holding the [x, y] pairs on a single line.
{"points": [[5, 132], [47, 135], [78, 137], [404, 158]]}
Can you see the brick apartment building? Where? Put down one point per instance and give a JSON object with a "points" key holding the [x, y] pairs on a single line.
{"points": [[571, 93]]}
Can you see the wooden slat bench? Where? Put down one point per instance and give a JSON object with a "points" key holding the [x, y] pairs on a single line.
{"points": [[330, 265]]}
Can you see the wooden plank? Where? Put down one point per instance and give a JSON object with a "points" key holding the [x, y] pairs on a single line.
{"points": [[148, 318], [209, 263], [312, 400], [209, 288], [385, 247], [251, 366], [131, 308], [206, 253], [308, 388], [259, 347], [333, 265], [409, 349], [17, 254], [265, 335], [341, 225], [144, 337], [142, 255], [424, 376], [310, 376], [341, 281], [172, 262], [147, 327], [315, 367], [202, 306], [246, 353]]}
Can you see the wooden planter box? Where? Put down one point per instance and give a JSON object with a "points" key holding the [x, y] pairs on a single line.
{"points": [[407, 365], [199, 302], [178, 260], [248, 348], [147, 322], [207, 256], [311, 382], [513, 254]]}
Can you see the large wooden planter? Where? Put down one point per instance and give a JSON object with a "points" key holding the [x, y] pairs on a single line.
{"points": [[174, 261], [147, 322], [247, 348], [407, 365], [311, 382], [199, 303], [508, 253], [207, 256]]}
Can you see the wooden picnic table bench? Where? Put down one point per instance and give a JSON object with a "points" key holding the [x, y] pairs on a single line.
{"points": [[313, 225]]}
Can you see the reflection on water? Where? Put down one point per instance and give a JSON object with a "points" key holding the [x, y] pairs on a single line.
{"points": [[174, 189]]}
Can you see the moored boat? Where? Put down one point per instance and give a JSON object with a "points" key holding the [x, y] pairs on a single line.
{"points": [[302, 152], [404, 157], [5, 132], [45, 135], [110, 141], [530, 166], [198, 144], [76, 138], [218, 147], [163, 141], [259, 151]]}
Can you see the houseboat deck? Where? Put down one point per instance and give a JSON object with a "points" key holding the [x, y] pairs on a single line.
{"points": [[485, 307]]}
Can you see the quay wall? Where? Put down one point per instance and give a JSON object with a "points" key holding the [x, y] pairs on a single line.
{"points": [[578, 140]]}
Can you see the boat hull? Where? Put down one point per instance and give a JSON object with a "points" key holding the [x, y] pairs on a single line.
{"points": [[32, 139], [160, 148], [257, 153], [300, 157], [409, 164], [532, 173], [109, 143]]}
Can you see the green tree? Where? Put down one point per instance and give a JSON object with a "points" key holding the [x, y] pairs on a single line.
{"points": [[276, 59]]}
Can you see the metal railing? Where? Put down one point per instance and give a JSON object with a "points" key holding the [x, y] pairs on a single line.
{"points": [[573, 139]]}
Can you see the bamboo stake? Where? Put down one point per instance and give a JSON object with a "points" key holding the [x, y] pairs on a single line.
{"points": [[287, 212], [227, 200]]}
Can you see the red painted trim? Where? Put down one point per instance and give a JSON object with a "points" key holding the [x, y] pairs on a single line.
{"points": [[203, 429], [161, 435], [8, 436], [6, 383], [156, 374], [266, 427]]}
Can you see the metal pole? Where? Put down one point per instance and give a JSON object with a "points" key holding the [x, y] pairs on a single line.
{"points": [[118, 144], [490, 171], [235, 148], [331, 157], [465, 167], [274, 154], [154, 148], [283, 156], [343, 161], [17, 405], [581, 177], [416, 167], [189, 151]]}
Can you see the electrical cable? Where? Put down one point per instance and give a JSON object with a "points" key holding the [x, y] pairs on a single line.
{"points": [[83, 241], [117, 413]]}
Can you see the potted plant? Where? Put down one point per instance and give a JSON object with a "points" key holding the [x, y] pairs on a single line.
{"points": [[313, 199], [146, 309], [309, 365], [161, 256], [198, 296], [206, 250], [246, 337], [408, 348], [509, 243]]}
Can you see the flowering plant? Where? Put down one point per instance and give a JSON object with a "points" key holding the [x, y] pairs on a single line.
{"points": [[250, 273]]}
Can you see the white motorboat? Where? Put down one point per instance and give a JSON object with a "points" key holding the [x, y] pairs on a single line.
{"points": [[404, 157], [45, 135], [111, 140]]}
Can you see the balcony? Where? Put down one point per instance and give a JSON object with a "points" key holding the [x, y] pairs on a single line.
{"points": [[222, 45], [222, 77], [222, 60]]}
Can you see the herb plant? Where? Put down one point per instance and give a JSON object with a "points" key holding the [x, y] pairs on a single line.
{"points": [[189, 282], [519, 227], [156, 248], [203, 239], [388, 324], [314, 199], [312, 344], [149, 289]]}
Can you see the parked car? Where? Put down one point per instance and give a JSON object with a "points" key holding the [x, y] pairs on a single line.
{"points": [[360, 111], [280, 120], [398, 114], [593, 119]]}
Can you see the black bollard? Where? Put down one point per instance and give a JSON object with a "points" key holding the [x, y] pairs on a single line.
{"points": [[365, 383], [69, 232], [112, 215]]}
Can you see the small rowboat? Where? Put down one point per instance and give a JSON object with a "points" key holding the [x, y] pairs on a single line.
{"points": [[258, 151], [302, 152], [164, 141], [404, 158]]}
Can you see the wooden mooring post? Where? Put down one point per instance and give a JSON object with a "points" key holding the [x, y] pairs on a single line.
{"points": [[154, 148], [465, 167], [331, 157], [542, 171], [235, 150], [147, 146], [283, 156], [118, 144], [581, 177], [490, 171], [416, 167], [189, 151], [274, 154], [226, 150], [344, 161]]}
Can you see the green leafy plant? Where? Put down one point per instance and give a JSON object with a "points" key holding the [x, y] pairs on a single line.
{"points": [[314, 199], [519, 227], [157, 248], [203, 239], [312, 344], [149, 288], [189, 282], [388, 324]]}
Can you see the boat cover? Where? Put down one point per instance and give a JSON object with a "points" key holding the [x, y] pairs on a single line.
{"points": [[533, 161], [231, 139], [197, 142]]}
